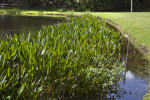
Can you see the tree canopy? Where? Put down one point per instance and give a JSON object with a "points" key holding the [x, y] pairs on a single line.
{"points": [[83, 5]]}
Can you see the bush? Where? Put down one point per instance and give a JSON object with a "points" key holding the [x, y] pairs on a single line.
{"points": [[73, 57]]}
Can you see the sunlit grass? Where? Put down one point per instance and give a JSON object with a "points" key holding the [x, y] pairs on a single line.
{"points": [[136, 24]]}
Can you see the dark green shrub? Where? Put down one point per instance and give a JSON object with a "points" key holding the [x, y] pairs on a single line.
{"points": [[76, 56]]}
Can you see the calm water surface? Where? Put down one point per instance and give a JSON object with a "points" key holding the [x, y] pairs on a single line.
{"points": [[136, 79], [135, 86], [24, 24]]}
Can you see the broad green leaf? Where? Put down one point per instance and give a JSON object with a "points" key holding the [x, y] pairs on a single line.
{"points": [[40, 88], [43, 51], [3, 80], [21, 89], [3, 59], [69, 74], [8, 71]]}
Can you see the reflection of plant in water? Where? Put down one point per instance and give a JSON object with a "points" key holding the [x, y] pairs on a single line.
{"points": [[110, 94], [116, 94], [136, 61]]}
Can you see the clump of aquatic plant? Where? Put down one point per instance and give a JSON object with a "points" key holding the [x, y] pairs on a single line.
{"points": [[73, 57]]}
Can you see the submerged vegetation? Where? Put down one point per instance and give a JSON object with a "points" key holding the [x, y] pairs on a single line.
{"points": [[73, 57]]}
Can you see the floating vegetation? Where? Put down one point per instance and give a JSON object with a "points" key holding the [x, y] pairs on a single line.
{"points": [[73, 57]]}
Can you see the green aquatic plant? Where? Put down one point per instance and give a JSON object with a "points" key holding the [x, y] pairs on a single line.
{"points": [[73, 57]]}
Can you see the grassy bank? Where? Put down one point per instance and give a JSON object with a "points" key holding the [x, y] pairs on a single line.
{"points": [[147, 96], [35, 12], [136, 24]]}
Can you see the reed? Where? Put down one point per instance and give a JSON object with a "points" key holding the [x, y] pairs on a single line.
{"points": [[73, 57]]}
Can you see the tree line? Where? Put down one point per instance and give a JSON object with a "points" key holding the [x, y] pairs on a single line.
{"points": [[84, 5]]}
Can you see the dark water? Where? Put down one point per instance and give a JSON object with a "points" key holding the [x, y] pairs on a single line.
{"points": [[135, 86], [136, 80], [24, 24]]}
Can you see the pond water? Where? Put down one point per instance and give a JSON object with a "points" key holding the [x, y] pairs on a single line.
{"points": [[136, 79], [24, 24]]}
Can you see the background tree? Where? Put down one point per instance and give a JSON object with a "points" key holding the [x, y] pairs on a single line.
{"points": [[83, 5]]}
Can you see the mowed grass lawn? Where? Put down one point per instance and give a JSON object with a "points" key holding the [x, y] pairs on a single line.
{"points": [[136, 24]]}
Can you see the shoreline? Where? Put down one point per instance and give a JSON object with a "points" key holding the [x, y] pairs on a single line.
{"points": [[142, 48]]}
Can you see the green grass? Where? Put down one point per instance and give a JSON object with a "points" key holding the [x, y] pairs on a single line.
{"points": [[147, 96], [34, 12], [136, 24]]}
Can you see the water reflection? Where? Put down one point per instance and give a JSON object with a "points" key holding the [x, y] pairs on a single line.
{"points": [[135, 82], [129, 75], [135, 86], [136, 76], [24, 24], [116, 93]]}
